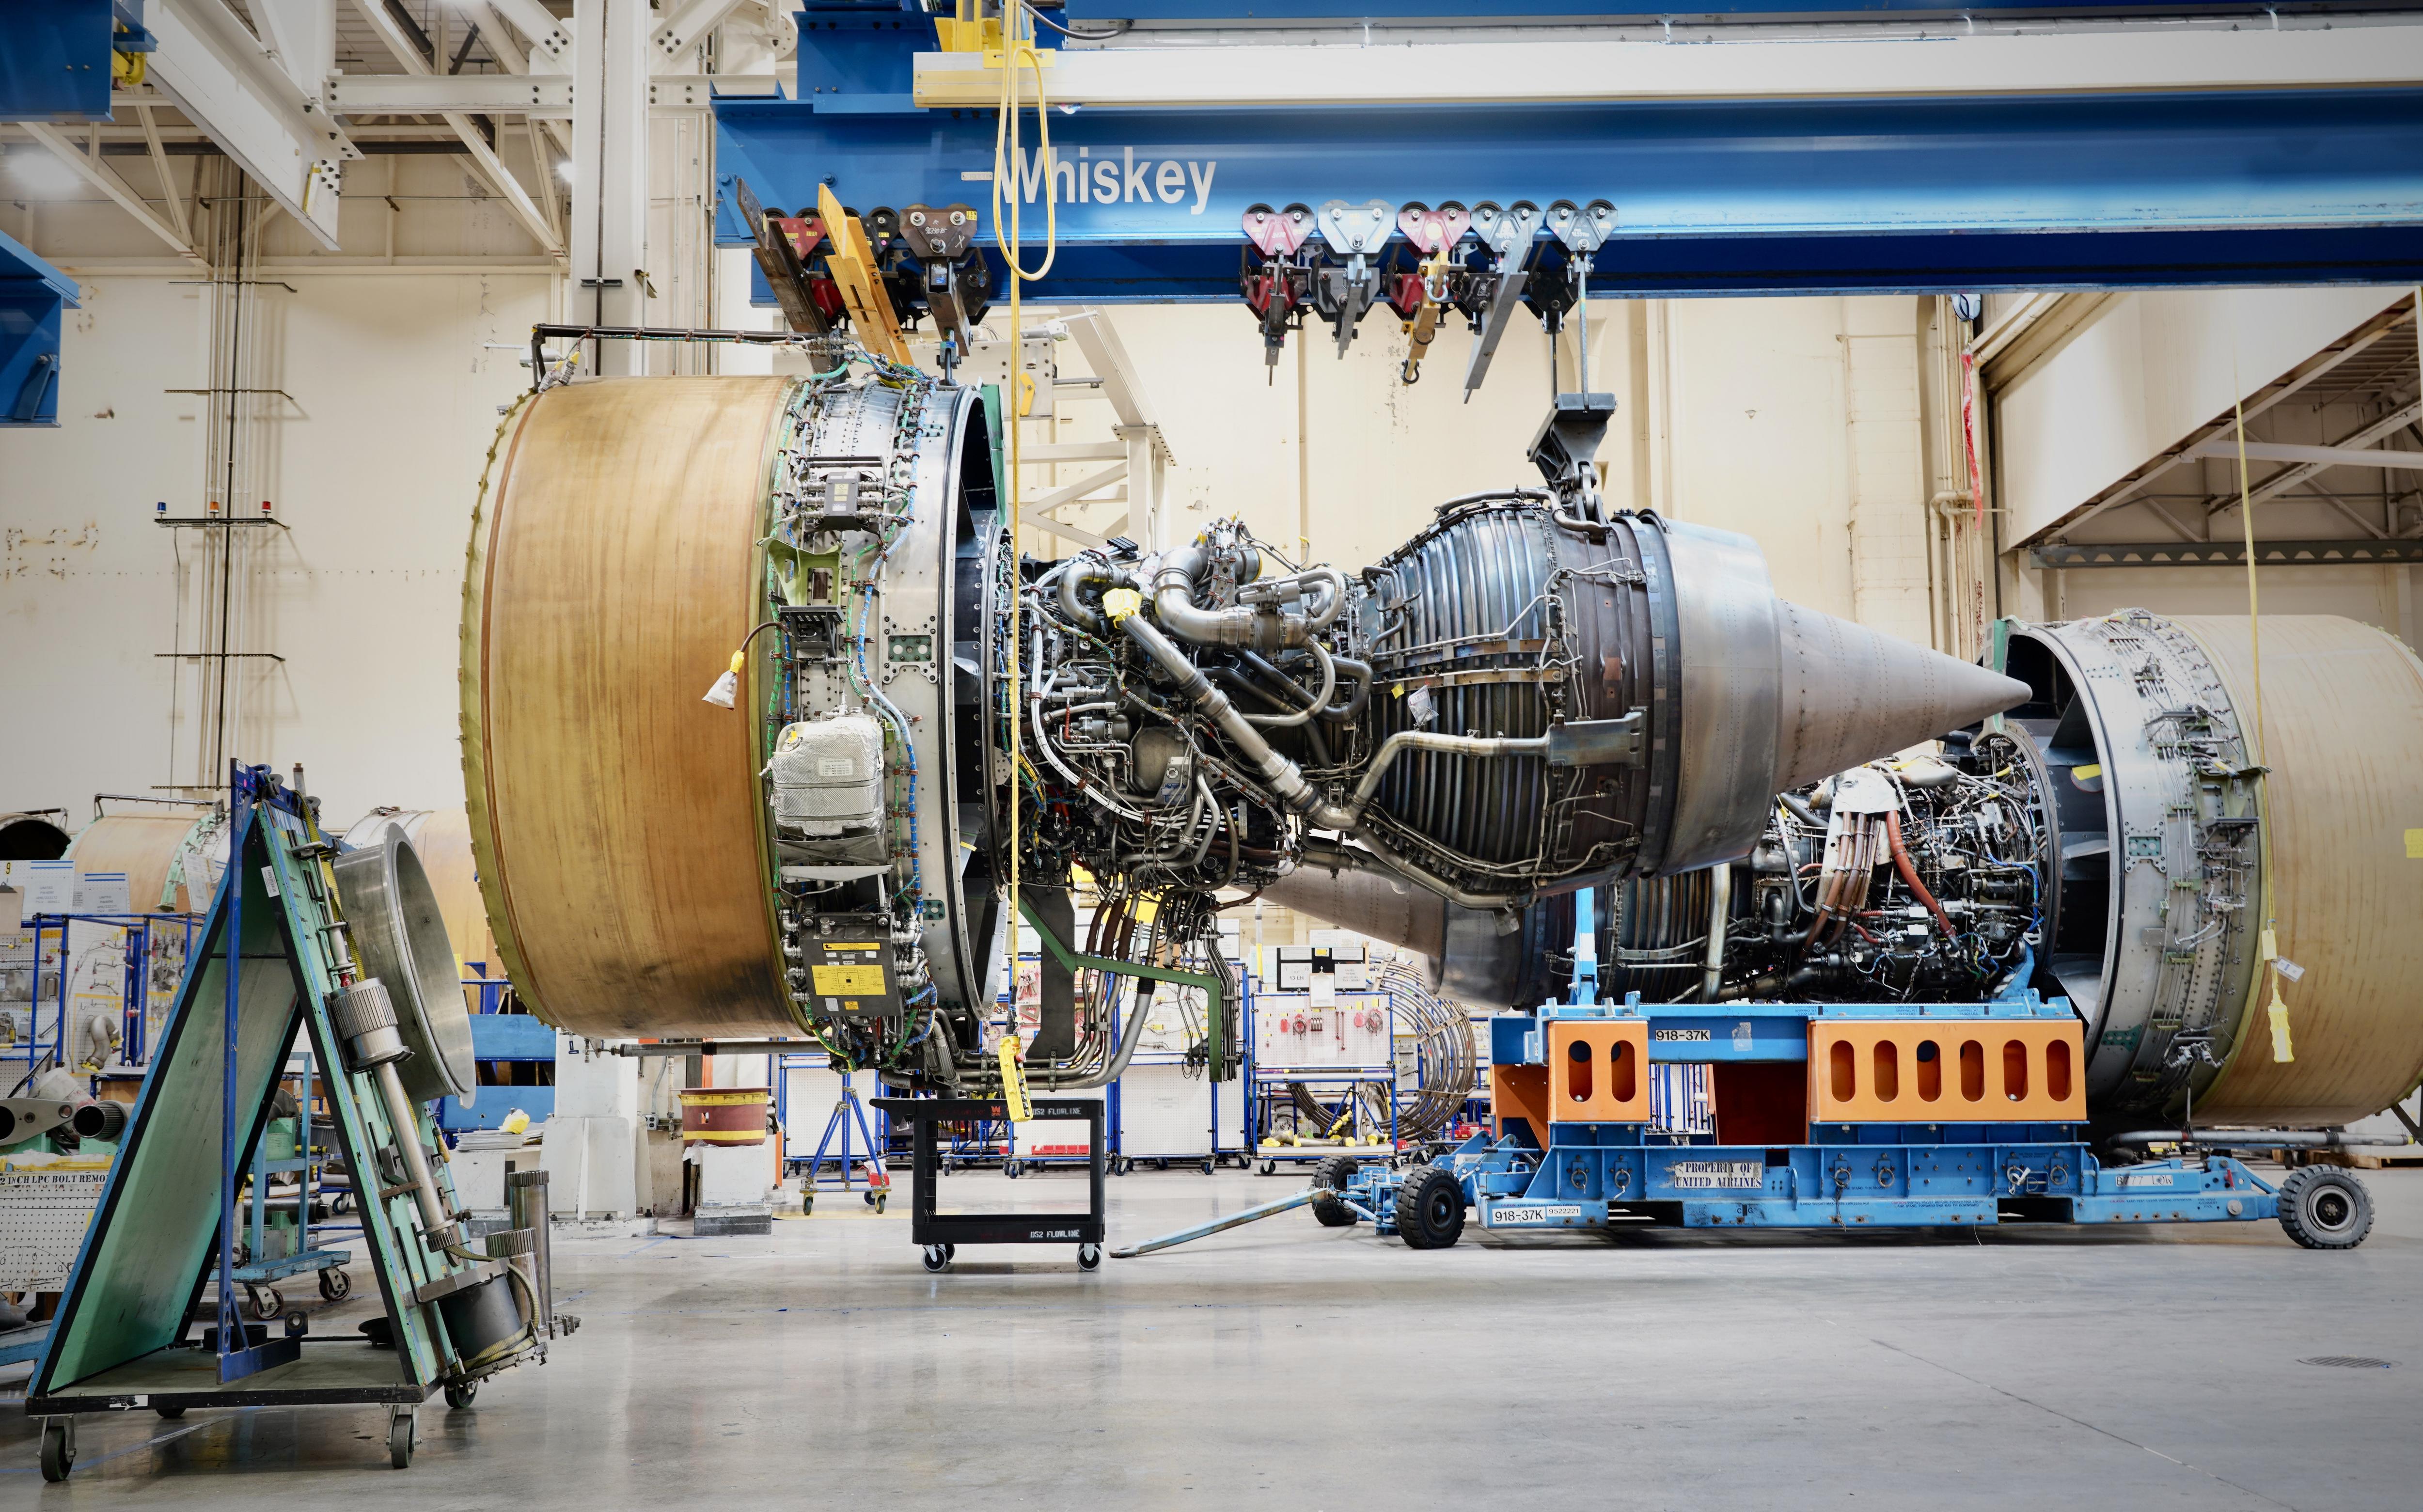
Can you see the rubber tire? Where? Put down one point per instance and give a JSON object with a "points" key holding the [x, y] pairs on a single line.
{"points": [[2324, 1207], [171, 1413], [335, 1285], [401, 1437], [1332, 1175], [878, 1204], [1090, 1257], [1270, 1168], [460, 1394], [1429, 1209], [1010, 1169], [58, 1451], [936, 1257], [268, 1305], [1207, 1167]]}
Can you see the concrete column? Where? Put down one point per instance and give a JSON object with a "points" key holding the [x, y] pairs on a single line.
{"points": [[610, 173]]}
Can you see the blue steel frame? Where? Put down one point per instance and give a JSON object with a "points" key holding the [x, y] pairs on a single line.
{"points": [[34, 297], [1848, 1175], [1764, 197]]}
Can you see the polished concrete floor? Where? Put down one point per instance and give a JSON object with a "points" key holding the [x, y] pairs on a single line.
{"points": [[1287, 1365]]}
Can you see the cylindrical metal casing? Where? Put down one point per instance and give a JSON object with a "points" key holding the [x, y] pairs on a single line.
{"points": [[364, 1018], [399, 933], [31, 837], [144, 842], [526, 1209]]}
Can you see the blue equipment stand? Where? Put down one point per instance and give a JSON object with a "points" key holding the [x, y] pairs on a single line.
{"points": [[848, 1111]]}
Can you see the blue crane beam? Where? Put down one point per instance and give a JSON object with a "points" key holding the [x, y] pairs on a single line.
{"points": [[2153, 189]]}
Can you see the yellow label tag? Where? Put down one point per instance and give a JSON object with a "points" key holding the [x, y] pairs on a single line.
{"points": [[1013, 1082], [2414, 845], [843, 982], [2087, 773], [2282, 1051], [2269, 947], [870, 946]]}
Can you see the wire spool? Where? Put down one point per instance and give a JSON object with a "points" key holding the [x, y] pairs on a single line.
{"points": [[144, 840], [2342, 720]]}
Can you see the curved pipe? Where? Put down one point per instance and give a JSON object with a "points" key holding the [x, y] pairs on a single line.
{"points": [[1361, 672], [1075, 577], [1319, 701], [1910, 871]]}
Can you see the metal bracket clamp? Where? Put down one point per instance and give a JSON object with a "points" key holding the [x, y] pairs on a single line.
{"points": [[1353, 231], [939, 237], [1582, 229], [1507, 233], [1594, 742], [1279, 287]]}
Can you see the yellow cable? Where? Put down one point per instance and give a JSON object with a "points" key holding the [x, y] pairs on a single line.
{"points": [[1018, 44], [2276, 1011]]}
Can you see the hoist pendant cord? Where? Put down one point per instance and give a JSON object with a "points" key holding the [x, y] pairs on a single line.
{"points": [[2277, 1010], [1018, 46]]}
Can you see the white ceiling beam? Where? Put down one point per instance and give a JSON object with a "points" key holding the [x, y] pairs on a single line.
{"points": [[1567, 68], [677, 37], [511, 57], [104, 179], [2289, 477], [547, 37], [548, 96], [491, 167], [302, 38], [167, 179], [2325, 457], [212, 67]]}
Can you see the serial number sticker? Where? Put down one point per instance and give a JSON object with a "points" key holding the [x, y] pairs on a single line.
{"points": [[843, 982], [1690, 1174], [1699, 1036], [836, 766], [2145, 1178], [1502, 1215]]}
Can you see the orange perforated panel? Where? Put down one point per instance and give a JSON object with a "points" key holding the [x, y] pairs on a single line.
{"points": [[1974, 1071], [1519, 1094], [1598, 1072]]}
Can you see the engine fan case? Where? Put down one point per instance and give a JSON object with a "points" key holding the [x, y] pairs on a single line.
{"points": [[2342, 712], [2342, 722], [619, 822]]}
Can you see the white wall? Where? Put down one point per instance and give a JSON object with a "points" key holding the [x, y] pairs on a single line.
{"points": [[374, 468]]}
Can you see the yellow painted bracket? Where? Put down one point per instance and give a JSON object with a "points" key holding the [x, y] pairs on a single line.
{"points": [[1423, 327], [851, 263], [1013, 1082]]}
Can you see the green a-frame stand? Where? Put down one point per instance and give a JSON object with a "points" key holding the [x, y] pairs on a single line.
{"points": [[273, 950]]}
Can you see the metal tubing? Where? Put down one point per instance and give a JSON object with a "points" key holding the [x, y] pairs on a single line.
{"points": [[2257, 1138], [1319, 705], [1720, 906], [402, 1118], [1216, 1225], [525, 1208]]}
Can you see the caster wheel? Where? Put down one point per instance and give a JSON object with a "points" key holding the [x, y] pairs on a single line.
{"points": [[1090, 1257], [1011, 1170], [869, 1199], [267, 1305], [336, 1285], [1161, 1165], [879, 1201], [950, 1252], [461, 1394], [1207, 1167], [171, 1413], [58, 1448], [400, 1435], [937, 1257], [1270, 1168]]}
